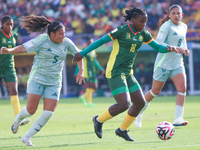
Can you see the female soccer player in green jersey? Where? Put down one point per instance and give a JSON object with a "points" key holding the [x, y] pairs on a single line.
{"points": [[90, 75], [45, 78], [8, 39], [127, 40], [172, 32]]}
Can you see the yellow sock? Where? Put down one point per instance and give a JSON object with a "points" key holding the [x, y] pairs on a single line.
{"points": [[105, 116], [89, 98], [86, 93], [15, 104], [127, 122]]}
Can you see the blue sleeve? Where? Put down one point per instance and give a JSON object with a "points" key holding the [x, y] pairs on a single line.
{"points": [[105, 39]]}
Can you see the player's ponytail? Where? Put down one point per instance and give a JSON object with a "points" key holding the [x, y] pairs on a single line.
{"points": [[34, 23], [134, 12], [167, 17]]}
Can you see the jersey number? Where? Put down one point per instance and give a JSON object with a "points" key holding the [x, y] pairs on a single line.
{"points": [[133, 47], [55, 58], [179, 42]]}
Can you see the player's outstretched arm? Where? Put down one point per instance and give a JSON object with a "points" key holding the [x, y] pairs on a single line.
{"points": [[15, 50], [80, 77]]}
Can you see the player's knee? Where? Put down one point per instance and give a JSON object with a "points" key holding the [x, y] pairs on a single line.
{"points": [[154, 92], [124, 106], [181, 89]]}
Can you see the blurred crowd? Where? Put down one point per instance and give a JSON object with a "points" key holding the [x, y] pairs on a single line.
{"points": [[96, 17]]}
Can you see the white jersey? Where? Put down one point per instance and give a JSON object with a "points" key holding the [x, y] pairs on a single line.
{"points": [[172, 35], [49, 59]]}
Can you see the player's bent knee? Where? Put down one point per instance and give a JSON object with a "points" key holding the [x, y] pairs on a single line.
{"points": [[155, 93]]}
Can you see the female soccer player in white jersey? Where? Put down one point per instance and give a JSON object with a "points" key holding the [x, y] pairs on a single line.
{"points": [[46, 75], [172, 32]]}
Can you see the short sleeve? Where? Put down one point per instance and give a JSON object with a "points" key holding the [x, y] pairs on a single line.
{"points": [[147, 36], [116, 33], [72, 49], [162, 33], [34, 44]]}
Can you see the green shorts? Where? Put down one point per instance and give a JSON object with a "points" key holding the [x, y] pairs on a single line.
{"points": [[91, 79], [47, 91], [122, 84], [161, 74], [8, 74]]}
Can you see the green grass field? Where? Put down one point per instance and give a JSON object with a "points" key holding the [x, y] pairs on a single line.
{"points": [[71, 127]]}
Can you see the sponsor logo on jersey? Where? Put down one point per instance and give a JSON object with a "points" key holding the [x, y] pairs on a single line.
{"points": [[128, 36], [54, 94], [3, 40], [174, 33], [141, 38], [49, 50]]}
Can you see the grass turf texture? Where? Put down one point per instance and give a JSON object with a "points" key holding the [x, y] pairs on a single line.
{"points": [[71, 127]]}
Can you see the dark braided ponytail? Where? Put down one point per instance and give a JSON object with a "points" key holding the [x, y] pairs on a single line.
{"points": [[134, 12]]}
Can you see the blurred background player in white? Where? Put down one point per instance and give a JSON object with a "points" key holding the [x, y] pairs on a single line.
{"points": [[7, 69], [46, 75], [172, 32], [91, 65]]}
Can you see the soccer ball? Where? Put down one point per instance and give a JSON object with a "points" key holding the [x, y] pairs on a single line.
{"points": [[165, 130]]}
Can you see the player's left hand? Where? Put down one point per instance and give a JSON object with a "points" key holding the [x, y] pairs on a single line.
{"points": [[77, 58], [80, 78], [186, 52]]}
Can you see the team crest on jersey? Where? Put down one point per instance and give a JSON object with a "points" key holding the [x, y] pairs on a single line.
{"points": [[141, 38], [3, 40], [123, 76], [128, 36]]}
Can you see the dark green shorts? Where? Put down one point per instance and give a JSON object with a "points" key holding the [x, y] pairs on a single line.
{"points": [[122, 84], [91, 79], [8, 74]]}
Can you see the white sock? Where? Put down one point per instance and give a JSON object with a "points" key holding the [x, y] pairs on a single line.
{"points": [[145, 107], [39, 123], [22, 115], [179, 111]]}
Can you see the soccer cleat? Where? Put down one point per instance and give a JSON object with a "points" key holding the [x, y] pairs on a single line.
{"points": [[15, 127], [124, 135], [179, 122], [25, 122], [138, 121], [91, 105], [83, 100], [27, 141], [97, 127]]}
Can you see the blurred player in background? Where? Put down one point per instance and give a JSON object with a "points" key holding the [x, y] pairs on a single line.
{"points": [[172, 32], [45, 78], [8, 38], [90, 75], [127, 40]]}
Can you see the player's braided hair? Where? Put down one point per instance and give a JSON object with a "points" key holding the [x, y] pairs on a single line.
{"points": [[134, 12], [167, 17], [5, 18], [34, 23]]}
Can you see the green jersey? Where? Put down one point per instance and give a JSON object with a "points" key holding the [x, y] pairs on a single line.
{"points": [[49, 59], [126, 43], [174, 35], [7, 60]]}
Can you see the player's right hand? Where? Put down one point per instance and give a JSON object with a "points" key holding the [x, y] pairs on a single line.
{"points": [[77, 58]]}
